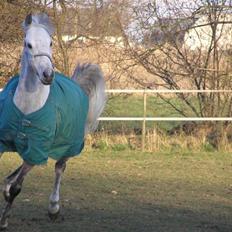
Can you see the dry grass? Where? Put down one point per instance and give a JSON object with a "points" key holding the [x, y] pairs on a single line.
{"points": [[156, 141]]}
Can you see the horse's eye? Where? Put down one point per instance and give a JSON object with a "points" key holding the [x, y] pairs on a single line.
{"points": [[29, 46], [51, 44]]}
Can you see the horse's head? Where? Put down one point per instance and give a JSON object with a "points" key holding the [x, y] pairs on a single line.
{"points": [[37, 46]]}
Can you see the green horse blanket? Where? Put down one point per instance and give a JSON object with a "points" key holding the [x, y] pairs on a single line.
{"points": [[56, 130]]}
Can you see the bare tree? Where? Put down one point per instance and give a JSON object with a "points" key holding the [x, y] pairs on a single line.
{"points": [[160, 32], [12, 13]]}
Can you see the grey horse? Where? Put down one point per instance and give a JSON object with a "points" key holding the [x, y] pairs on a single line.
{"points": [[45, 114]]}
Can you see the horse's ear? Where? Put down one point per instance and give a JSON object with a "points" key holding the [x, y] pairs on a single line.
{"points": [[28, 20], [43, 19]]}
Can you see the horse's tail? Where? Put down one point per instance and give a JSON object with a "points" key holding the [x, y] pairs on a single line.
{"points": [[91, 80]]}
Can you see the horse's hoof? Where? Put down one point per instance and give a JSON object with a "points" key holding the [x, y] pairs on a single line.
{"points": [[3, 226], [53, 216], [3, 222], [53, 210]]}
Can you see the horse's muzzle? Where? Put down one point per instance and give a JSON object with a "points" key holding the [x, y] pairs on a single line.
{"points": [[48, 76]]}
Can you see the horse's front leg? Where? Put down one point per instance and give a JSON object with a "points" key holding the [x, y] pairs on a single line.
{"points": [[54, 208], [12, 187]]}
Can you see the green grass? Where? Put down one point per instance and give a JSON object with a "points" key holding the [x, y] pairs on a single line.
{"points": [[124, 191], [132, 106]]}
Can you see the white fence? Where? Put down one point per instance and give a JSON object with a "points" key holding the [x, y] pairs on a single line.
{"points": [[164, 91], [161, 91]]}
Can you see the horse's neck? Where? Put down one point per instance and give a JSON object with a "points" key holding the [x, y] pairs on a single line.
{"points": [[30, 94]]}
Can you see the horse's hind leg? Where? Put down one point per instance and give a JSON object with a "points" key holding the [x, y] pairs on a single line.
{"points": [[12, 187], [54, 208]]}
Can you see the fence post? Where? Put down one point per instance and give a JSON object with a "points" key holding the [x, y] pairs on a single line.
{"points": [[144, 120]]}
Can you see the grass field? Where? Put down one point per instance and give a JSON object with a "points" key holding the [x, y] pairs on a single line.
{"points": [[124, 191], [132, 106]]}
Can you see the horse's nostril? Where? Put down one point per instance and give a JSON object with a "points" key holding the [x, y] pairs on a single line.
{"points": [[48, 74]]}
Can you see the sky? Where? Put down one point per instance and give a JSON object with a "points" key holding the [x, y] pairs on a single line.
{"points": [[165, 8], [145, 16]]}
